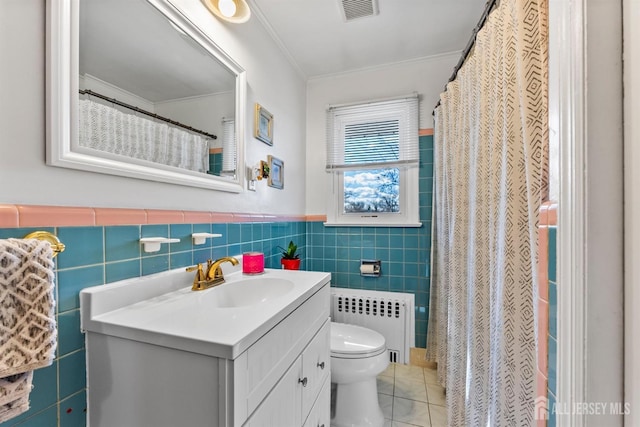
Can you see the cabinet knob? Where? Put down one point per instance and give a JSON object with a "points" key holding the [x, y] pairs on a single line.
{"points": [[303, 381], [321, 365]]}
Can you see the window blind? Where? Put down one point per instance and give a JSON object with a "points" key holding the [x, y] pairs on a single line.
{"points": [[228, 145], [376, 134]]}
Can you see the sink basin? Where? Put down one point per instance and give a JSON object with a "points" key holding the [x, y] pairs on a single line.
{"points": [[223, 321], [246, 292]]}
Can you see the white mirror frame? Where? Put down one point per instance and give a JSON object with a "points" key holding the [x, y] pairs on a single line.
{"points": [[62, 102]]}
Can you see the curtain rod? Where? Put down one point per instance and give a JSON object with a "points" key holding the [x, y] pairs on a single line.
{"points": [[467, 50], [139, 110], [373, 101]]}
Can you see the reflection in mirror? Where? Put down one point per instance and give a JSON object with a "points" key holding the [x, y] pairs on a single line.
{"points": [[176, 93], [154, 97]]}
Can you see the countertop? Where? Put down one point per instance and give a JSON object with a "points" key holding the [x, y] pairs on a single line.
{"points": [[162, 309]]}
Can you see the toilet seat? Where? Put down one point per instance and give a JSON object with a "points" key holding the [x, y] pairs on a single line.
{"points": [[355, 342]]}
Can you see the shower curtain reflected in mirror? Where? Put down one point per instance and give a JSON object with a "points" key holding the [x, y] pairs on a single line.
{"points": [[109, 130]]}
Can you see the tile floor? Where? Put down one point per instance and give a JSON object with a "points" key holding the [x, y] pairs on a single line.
{"points": [[411, 396]]}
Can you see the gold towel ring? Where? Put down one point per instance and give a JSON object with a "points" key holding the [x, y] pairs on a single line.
{"points": [[53, 240]]}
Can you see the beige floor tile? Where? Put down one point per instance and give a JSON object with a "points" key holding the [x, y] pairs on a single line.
{"points": [[438, 416], [386, 404], [410, 396], [409, 371], [436, 395], [410, 388], [430, 376], [411, 412], [385, 385], [390, 371]]}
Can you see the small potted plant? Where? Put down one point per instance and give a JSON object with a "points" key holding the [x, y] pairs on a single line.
{"points": [[290, 259]]}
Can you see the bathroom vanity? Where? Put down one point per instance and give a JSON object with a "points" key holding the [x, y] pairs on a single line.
{"points": [[253, 351]]}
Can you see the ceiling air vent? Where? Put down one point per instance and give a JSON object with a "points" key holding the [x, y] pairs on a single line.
{"points": [[354, 9]]}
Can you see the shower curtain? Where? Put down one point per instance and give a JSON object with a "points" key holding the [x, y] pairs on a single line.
{"points": [[107, 129], [491, 150]]}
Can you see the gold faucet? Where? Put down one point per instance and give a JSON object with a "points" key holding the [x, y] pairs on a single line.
{"points": [[213, 276]]}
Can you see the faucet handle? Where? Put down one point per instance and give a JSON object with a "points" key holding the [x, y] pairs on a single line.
{"points": [[194, 268], [199, 274]]}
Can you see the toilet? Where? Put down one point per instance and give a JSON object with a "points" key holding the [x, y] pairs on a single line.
{"points": [[358, 356]]}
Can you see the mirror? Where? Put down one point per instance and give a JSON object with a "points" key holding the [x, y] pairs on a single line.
{"points": [[135, 89]]}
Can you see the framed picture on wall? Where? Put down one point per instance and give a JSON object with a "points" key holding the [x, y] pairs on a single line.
{"points": [[276, 173], [263, 127]]}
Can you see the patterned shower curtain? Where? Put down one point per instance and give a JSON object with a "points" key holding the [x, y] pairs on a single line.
{"points": [[491, 156]]}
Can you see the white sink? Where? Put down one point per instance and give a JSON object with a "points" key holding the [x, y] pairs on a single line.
{"points": [[222, 321], [246, 292]]}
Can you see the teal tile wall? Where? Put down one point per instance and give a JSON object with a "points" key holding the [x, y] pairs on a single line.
{"points": [[99, 255], [215, 163], [552, 361], [405, 253]]}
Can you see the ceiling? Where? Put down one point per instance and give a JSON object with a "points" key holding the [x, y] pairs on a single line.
{"points": [[319, 41], [312, 33]]}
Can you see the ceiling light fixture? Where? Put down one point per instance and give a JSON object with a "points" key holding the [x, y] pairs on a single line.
{"points": [[227, 8], [234, 11]]}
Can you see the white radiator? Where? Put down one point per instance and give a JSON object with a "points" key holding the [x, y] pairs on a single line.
{"points": [[392, 314]]}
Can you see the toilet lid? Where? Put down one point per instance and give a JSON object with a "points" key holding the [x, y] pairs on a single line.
{"points": [[355, 341]]}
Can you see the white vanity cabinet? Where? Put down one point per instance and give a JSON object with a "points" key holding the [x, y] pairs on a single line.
{"points": [[320, 415], [293, 399], [279, 376]]}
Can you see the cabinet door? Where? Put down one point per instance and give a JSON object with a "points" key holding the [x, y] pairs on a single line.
{"points": [[315, 366], [282, 406], [270, 357], [320, 415]]}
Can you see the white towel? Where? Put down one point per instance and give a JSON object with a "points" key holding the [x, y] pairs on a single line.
{"points": [[14, 395], [28, 333]]}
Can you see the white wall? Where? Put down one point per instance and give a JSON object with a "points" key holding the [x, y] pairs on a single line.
{"points": [[604, 204], [90, 82], [25, 179], [427, 77], [586, 38], [203, 112], [631, 17]]}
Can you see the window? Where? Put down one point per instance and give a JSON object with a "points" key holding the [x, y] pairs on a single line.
{"points": [[228, 148], [372, 161]]}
